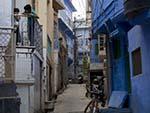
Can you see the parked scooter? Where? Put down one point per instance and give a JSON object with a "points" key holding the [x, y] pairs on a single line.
{"points": [[97, 95], [98, 85]]}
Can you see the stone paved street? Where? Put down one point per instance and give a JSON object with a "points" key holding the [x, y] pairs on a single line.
{"points": [[72, 100]]}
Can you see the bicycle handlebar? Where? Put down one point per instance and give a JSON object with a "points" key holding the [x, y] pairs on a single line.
{"points": [[95, 92]]}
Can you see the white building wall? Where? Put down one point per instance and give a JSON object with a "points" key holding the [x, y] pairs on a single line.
{"points": [[23, 94], [23, 66], [28, 80], [37, 88], [5, 12]]}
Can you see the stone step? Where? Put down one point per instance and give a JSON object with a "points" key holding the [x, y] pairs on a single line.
{"points": [[114, 110]]}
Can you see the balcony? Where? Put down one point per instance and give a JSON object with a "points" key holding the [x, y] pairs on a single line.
{"points": [[24, 65], [137, 12], [29, 33], [58, 5], [134, 7], [109, 9], [66, 19]]}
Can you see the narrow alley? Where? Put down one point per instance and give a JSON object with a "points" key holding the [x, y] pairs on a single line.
{"points": [[74, 56], [72, 100]]}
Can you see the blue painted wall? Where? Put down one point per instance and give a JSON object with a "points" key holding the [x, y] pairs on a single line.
{"points": [[98, 7], [65, 27], [101, 13], [94, 58], [139, 36], [119, 67]]}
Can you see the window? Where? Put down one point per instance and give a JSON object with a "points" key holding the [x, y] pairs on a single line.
{"points": [[137, 62], [101, 43]]}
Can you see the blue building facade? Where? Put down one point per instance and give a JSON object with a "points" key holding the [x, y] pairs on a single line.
{"points": [[108, 19], [127, 24], [140, 100], [66, 28], [139, 39]]}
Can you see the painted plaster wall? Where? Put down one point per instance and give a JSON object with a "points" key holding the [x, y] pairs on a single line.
{"points": [[37, 87], [5, 12], [23, 66], [118, 76], [119, 69], [139, 36], [50, 23], [28, 80]]}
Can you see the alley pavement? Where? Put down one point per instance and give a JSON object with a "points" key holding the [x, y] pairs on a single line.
{"points": [[72, 100]]}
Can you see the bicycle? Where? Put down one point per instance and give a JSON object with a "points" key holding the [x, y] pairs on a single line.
{"points": [[93, 105], [97, 98]]}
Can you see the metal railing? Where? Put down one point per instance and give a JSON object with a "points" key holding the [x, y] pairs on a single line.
{"points": [[38, 34], [7, 53], [29, 33]]}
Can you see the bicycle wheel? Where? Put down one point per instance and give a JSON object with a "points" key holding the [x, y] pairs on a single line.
{"points": [[92, 107], [87, 107]]}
